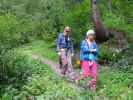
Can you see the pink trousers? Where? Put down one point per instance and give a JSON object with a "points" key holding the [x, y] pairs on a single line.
{"points": [[90, 69]]}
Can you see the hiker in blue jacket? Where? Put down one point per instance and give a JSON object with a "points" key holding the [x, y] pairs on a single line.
{"points": [[88, 56], [65, 50]]}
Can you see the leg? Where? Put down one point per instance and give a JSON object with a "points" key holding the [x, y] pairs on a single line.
{"points": [[60, 62], [69, 60], [94, 76], [85, 69], [63, 62]]}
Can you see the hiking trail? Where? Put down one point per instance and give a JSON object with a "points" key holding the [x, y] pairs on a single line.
{"points": [[55, 68]]}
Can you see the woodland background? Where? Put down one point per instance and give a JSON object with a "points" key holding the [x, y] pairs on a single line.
{"points": [[28, 26]]}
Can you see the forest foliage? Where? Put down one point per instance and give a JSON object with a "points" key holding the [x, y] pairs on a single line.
{"points": [[45, 18], [24, 21]]}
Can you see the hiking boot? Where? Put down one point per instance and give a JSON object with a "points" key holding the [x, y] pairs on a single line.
{"points": [[92, 85]]}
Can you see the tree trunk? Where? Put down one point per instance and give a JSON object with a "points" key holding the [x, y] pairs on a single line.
{"points": [[110, 6], [101, 32]]}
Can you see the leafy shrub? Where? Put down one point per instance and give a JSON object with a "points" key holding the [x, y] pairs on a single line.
{"points": [[26, 77], [114, 21], [36, 18], [109, 54], [16, 67], [79, 18], [114, 84], [14, 73], [125, 63], [9, 33]]}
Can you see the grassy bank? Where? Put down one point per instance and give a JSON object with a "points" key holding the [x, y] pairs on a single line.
{"points": [[112, 83], [39, 81], [42, 83]]}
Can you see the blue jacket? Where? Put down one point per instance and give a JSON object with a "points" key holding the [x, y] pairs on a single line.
{"points": [[65, 43], [85, 53]]}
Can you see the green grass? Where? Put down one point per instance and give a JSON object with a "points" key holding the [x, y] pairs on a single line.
{"points": [[40, 81], [115, 84], [49, 86], [112, 84], [40, 47]]}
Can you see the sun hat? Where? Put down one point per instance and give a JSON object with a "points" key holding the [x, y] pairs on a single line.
{"points": [[90, 32]]}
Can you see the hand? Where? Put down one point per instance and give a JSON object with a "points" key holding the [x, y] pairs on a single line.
{"points": [[93, 50], [62, 50], [72, 54], [90, 63], [59, 53]]}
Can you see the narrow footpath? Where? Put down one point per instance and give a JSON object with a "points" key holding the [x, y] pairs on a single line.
{"points": [[55, 67]]}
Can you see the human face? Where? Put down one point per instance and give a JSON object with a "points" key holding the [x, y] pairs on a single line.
{"points": [[91, 38], [66, 32]]}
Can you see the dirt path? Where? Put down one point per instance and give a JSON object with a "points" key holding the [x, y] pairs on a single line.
{"points": [[55, 67]]}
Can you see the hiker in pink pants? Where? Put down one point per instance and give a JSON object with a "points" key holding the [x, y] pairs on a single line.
{"points": [[89, 71], [88, 57]]}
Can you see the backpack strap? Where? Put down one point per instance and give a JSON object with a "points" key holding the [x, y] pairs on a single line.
{"points": [[87, 44]]}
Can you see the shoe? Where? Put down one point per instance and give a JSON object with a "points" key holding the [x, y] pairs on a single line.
{"points": [[77, 80], [92, 86]]}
